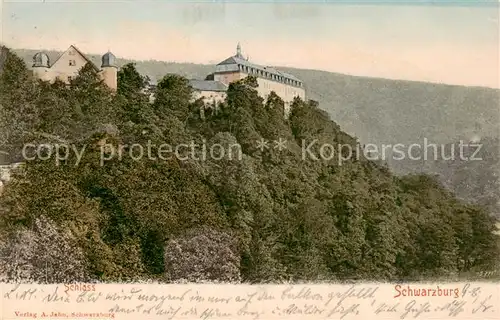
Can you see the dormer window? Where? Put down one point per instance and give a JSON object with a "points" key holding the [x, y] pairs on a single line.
{"points": [[72, 62]]}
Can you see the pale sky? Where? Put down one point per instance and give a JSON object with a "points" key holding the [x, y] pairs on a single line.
{"points": [[452, 43]]}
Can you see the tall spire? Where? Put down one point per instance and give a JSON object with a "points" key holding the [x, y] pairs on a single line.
{"points": [[238, 50]]}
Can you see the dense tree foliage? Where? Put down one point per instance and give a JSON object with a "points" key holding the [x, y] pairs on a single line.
{"points": [[44, 254], [202, 254], [470, 169], [383, 112], [255, 214]]}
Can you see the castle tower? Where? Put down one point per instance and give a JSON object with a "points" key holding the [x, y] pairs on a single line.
{"points": [[238, 51], [109, 70], [41, 66]]}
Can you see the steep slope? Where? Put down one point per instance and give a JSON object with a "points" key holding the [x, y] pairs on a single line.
{"points": [[386, 112]]}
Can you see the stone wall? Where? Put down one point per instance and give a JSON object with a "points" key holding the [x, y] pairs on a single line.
{"points": [[209, 97]]}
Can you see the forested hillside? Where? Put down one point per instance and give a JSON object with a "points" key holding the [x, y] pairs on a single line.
{"points": [[268, 216], [385, 112], [372, 109]]}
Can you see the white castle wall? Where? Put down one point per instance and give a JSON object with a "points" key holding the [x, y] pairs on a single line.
{"points": [[209, 97], [62, 69], [283, 90]]}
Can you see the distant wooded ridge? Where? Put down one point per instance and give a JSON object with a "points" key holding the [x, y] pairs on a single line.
{"points": [[372, 109]]}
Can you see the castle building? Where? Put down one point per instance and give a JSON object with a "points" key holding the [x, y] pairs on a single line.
{"points": [[234, 68], [67, 65], [212, 92]]}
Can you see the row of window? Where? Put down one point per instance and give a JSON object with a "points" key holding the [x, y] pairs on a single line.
{"points": [[285, 90], [269, 75]]}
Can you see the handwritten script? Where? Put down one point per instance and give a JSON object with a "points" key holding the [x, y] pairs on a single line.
{"points": [[321, 301]]}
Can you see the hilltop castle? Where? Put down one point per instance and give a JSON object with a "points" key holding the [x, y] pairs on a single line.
{"points": [[68, 64], [211, 90], [236, 68]]}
